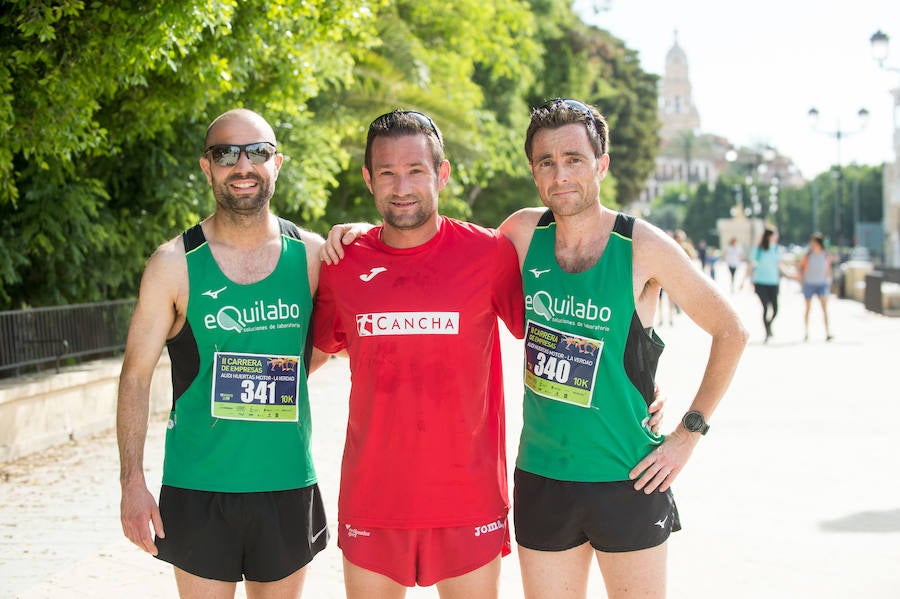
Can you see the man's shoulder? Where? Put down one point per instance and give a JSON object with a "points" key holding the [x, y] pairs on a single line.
{"points": [[470, 229], [468, 237], [364, 249], [170, 252], [651, 245], [523, 220]]}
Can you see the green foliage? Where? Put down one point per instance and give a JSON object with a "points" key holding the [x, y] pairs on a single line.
{"points": [[587, 63], [817, 206], [464, 63], [702, 211], [103, 109], [820, 206]]}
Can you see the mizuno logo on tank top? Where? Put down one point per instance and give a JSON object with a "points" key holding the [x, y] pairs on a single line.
{"points": [[214, 294], [407, 323], [257, 316]]}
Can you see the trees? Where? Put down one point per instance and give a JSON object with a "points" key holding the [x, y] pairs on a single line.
{"points": [[587, 63], [464, 63], [102, 113], [819, 206], [103, 108], [801, 211]]}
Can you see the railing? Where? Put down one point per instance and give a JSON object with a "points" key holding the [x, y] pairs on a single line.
{"points": [[38, 336]]}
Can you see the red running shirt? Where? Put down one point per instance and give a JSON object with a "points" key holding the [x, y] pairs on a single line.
{"points": [[426, 444]]}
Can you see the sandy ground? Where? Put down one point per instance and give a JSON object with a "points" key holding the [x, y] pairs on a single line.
{"points": [[792, 494]]}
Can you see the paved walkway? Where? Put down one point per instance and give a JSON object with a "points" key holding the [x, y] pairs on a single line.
{"points": [[793, 493]]}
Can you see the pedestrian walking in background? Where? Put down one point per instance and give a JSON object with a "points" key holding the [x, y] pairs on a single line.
{"points": [[815, 276], [734, 256], [765, 272]]}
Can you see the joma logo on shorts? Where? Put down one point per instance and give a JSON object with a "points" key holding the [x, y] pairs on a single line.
{"points": [[492, 527]]}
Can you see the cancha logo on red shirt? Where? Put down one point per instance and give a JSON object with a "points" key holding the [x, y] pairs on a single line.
{"points": [[407, 323]]}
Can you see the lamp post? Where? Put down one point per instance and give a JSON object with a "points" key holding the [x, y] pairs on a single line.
{"points": [[880, 50], [756, 195], [838, 134], [757, 163]]}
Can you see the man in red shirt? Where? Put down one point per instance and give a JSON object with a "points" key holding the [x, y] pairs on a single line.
{"points": [[415, 302]]}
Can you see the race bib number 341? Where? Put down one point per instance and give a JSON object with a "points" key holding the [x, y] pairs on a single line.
{"points": [[561, 366], [255, 387]]}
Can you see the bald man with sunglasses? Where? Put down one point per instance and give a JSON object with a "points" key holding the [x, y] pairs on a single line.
{"points": [[239, 498]]}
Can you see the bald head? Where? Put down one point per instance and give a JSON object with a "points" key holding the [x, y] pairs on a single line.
{"points": [[238, 118]]}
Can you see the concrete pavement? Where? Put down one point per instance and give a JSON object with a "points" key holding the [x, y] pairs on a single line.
{"points": [[793, 493]]}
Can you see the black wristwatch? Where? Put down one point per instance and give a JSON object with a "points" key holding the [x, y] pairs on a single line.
{"points": [[694, 422]]}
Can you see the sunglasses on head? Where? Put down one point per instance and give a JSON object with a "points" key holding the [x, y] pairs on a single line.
{"points": [[228, 155], [423, 119], [574, 105]]}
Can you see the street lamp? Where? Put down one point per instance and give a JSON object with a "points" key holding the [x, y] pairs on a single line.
{"points": [[880, 49], [838, 134], [761, 182], [881, 45]]}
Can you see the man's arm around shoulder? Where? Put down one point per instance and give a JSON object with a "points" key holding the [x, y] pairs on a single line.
{"points": [[519, 229]]}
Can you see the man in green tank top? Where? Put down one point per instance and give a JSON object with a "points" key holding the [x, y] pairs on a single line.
{"points": [[592, 478], [239, 499]]}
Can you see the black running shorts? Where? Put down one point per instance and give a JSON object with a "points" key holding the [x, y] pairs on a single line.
{"points": [[554, 515], [262, 537]]}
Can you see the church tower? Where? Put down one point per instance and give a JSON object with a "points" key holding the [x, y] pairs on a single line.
{"points": [[676, 105]]}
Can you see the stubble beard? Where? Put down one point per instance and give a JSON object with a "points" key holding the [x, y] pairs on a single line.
{"points": [[243, 205], [570, 206], [406, 221]]}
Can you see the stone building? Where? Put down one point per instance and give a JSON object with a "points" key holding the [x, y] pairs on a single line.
{"points": [[689, 156]]}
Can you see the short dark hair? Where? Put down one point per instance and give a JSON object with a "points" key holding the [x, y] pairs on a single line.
{"points": [[559, 112], [406, 122]]}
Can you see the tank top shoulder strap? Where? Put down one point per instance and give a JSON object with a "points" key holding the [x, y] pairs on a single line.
{"points": [[288, 228], [546, 218], [193, 238], [624, 225]]}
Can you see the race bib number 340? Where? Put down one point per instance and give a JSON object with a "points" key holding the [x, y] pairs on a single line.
{"points": [[255, 387], [561, 366]]}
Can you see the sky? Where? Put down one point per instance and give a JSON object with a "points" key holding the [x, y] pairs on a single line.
{"points": [[756, 68]]}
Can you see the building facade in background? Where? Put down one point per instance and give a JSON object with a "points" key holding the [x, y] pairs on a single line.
{"points": [[688, 156]]}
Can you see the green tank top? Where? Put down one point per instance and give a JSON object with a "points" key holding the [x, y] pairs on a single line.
{"points": [[240, 420], [589, 364]]}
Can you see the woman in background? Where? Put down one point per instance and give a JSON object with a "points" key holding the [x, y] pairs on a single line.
{"points": [[815, 275], [765, 272], [734, 255]]}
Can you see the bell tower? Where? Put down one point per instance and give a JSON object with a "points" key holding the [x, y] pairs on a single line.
{"points": [[676, 105]]}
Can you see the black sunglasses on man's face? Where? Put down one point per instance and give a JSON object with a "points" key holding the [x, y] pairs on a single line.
{"points": [[228, 155]]}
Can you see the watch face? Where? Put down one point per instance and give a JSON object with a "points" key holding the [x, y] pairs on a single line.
{"points": [[693, 421]]}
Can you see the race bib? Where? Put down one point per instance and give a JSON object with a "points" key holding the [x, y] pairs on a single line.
{"points": [[255, 387], [561, 366]]}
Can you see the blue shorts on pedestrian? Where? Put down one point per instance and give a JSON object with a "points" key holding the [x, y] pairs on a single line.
{"points": [[811, 289]]}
